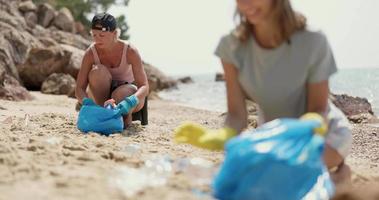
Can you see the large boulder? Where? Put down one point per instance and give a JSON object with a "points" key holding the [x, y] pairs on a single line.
{"points": [[10, 14], [46, 14], [59, 83], [6, 61], [64, 20], [351, 105], [14, 47], [41, 63], [75, 61], [31, 19], [81, 30], [27, 6], [10, 89], [62, 37], [357, 109], [21, 42]]}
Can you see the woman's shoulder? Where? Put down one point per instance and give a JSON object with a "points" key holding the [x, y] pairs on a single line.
{"points": [[131, 49], [88, 54], [310, 35], [229, 40], [230, 37]]}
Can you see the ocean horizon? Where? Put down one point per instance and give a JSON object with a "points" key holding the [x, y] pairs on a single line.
{"points": [[206, 93]]}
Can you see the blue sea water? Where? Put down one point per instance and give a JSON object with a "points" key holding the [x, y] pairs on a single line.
{"points": [[206, 93]]}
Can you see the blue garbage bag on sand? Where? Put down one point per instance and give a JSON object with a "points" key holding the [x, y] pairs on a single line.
{"points": [[280, 160], [95, 118]]}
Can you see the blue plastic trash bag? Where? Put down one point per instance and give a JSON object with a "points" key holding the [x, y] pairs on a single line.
{"points": [[280, 160], [95, 118]]}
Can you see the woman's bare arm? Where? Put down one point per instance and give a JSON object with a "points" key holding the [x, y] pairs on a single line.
{"points": [[317, 97], [237, 113], [82, 78], [140, 77]]}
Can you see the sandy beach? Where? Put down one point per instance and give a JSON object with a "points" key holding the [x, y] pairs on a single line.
{"points": [[44, 156]]}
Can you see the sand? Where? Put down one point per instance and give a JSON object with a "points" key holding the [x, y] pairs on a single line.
{"points": [[44, 156]]}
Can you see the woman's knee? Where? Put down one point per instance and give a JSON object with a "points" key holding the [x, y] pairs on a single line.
{"points": [[123, 91], [99, 74]]}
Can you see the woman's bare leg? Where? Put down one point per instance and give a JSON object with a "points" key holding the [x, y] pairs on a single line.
{"points": [[100, 81], [119, 94]]}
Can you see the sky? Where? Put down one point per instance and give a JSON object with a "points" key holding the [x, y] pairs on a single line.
{"points": [[180, 36]]}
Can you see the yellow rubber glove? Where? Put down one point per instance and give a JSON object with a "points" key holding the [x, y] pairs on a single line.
{"points": [[199, 136], [323, 128]]}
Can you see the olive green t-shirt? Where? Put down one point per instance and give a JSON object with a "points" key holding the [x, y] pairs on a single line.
{"points": [[276, 78]]}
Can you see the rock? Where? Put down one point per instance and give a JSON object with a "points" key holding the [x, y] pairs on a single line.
{"points": [[6, 61], [219, 77], [357, 110], [48, 42], [59, 83], [360, 118], [70, 39], [186, 79], [351, 105], [62, 37], [10, 89], [14, 46], [81, 30], [75, 61], [46, 15], [41, 63], [64, 20], [20, 42], [10, 14], [157, 80], [27, 6], [31, 19]]}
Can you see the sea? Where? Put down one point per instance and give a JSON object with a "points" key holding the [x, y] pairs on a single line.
{"points": [[206, 93]]}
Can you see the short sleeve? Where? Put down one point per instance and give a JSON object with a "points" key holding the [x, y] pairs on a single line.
{"points": [[225, 49], [323, 64]]}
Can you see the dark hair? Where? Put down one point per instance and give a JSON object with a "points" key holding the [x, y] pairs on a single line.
{"points": [[287, 19], [104, 22]]}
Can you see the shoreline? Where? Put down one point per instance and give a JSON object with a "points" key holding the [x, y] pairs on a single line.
{"points": [[44, 156]]}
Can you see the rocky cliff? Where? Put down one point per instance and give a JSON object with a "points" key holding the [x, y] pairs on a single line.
{"points": [[37, 41]]}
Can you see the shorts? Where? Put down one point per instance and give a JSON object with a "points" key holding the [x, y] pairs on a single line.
{"points": [[115, 84]]}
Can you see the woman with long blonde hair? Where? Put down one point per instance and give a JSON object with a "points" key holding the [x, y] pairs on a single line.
{"points": [[273, 59]]}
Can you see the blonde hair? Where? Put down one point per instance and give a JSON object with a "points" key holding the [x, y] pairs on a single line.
{"points": [[287, 19]]}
